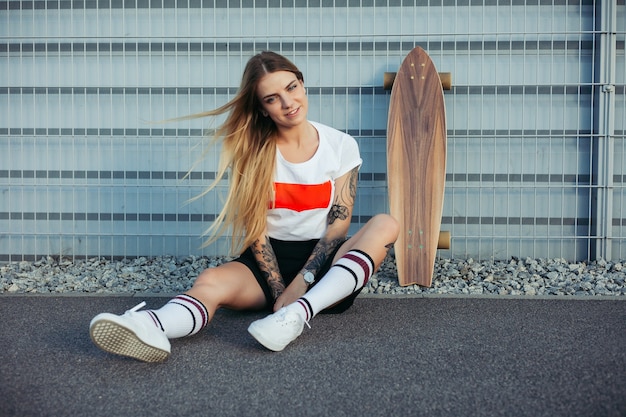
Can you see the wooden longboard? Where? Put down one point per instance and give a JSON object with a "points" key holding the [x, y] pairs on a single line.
{"points": [[416, 166]]}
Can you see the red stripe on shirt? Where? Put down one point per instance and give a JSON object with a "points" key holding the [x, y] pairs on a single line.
{"points": [[302, 197]]}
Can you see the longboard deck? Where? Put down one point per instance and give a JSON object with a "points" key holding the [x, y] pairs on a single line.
{"points": [[416, 165]]}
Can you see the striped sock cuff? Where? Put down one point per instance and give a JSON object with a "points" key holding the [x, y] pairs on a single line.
{"points": [[306, 306], [197, 310], [155, 319], [359, 264]]}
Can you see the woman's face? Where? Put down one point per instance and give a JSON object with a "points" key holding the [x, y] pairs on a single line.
{"points": [[283, 98]]}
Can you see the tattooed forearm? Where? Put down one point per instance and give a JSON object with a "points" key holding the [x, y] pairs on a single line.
{"points": [[266, 258], [321, 252]]}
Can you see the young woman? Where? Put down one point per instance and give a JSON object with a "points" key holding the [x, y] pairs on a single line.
{"points": [[292, 186]]}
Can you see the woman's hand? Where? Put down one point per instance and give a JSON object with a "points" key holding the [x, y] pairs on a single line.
{"points": [[295, 290]]}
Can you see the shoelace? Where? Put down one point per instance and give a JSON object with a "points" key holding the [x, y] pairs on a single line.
{"points": [[283, 315], [137, 307]]}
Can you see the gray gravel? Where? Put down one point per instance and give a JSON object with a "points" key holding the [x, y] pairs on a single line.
{"points": [[169, 275]]}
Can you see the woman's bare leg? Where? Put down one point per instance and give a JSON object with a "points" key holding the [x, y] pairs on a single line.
{"points": [[231, 285], [375, 239]]}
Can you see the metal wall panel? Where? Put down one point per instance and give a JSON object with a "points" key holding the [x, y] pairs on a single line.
{"points": [[85, 171]]}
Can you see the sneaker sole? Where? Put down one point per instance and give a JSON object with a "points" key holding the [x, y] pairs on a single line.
{"points": [[265, 342], [111, 337]]}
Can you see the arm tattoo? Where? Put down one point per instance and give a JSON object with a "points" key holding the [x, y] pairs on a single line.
{"points": [[266, 258], [337, 211], [321, 252], [348, 191], [345, 198]]}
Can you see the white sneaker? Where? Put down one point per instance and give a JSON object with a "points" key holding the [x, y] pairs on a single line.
{"points": [[277, 330], [130, 335]]}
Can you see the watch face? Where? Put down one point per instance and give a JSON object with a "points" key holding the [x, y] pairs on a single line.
{"points": [[308, 277]]}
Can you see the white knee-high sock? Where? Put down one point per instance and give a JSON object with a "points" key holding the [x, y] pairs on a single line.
{"points": [[349, 274], [182, 316]]}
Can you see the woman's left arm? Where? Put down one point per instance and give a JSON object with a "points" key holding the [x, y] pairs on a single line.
{"points": [[338, 223]]}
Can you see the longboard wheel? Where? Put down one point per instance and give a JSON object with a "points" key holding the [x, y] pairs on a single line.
{"points": [[446, 80], [388, 79], [444, 240]]}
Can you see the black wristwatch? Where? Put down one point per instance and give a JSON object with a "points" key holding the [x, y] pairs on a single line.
{"points": [[309, 278]]}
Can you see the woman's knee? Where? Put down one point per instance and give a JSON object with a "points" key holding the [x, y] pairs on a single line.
{"points": [[206, 287], [216, 280], [386, 225], [208, 277], [229, 285]]}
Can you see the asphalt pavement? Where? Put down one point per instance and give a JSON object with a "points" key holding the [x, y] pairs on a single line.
{"points": [[386, 356]]}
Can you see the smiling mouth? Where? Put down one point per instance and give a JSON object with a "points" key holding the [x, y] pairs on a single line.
{"points": [[293, 112]]}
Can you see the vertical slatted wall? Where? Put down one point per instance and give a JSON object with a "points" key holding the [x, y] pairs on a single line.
{"points": [[85, 171]]}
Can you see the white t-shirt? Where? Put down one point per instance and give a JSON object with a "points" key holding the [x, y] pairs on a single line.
{"points": [[305, 191]]}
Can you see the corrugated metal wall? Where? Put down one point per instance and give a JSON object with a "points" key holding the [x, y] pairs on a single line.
{"points": [[537, 148]]}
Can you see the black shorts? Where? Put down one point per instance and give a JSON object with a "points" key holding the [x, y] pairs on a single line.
{"points": [[291, 258]]}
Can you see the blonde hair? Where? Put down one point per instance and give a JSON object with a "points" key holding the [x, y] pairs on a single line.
{"points": [[248, 155]]}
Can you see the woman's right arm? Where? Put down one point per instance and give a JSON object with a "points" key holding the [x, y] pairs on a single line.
{"points": [[266, 258]]}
